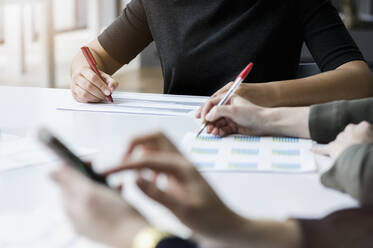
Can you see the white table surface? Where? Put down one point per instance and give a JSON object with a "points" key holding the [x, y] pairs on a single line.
{"points": [[255, 195]]}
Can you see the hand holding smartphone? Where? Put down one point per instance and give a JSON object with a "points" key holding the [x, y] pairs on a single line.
{"points": [[56, 146]]}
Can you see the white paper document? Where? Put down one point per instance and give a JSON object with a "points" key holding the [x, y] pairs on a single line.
{"points": [[140, 103], [17, 152], [250, 154], [44, 227]]}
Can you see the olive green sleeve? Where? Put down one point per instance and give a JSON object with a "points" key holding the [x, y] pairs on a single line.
{"points": [[326, 121], [352, 173]]}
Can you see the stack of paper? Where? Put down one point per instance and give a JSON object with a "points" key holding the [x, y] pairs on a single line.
{"points": [[44, 227], [138, 103], [246, 153], [17, 152]]}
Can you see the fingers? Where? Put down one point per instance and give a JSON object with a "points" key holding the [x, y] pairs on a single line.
{"points": [[160, 163], [323, 149], [209, 105], [151, 143], [141, 140], [93, 90], [227, 130], [366, 124], [119, 188], [77, 97], [111, 82], [69, 180], [83, 95], [219, 112], [210, 127], [93, 78], [217, 124], [152, 191], [222, 127], [364, 127], [350, 127], [233, 127], [198, 112], [224, 131], [87, 86], [217, 96]]}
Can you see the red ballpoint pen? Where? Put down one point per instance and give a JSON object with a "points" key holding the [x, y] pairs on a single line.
{"points": [[92, 63], [240, 78]]}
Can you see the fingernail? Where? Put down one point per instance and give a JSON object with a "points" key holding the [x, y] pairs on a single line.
{"points": [[111, 86], [107, 92]]}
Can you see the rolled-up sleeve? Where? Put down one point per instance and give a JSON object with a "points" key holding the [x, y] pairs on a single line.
{"points": [[352, 173], [326, 121]]}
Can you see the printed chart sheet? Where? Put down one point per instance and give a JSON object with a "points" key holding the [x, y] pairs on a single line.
{"points": [[250, 154]]}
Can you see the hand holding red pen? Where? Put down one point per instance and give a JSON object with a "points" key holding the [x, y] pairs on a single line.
{"points": [[93, 64], [89, 84]]}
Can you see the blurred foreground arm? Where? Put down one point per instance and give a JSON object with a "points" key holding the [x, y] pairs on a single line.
{"points": [[195, 203]]}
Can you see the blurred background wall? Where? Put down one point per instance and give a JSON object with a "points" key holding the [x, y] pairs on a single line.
{"points": [[38, 39]]}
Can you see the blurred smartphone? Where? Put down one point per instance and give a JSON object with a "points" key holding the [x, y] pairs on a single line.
{"points": [[49, 140]]}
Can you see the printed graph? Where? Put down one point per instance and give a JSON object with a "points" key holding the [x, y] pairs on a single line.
{"points": [[243, 165], [205, 151], [286, 166], [249, 139], [281, 152], [208, 138], [285, 140], [248, 153], [242, 151], [205, 165]]}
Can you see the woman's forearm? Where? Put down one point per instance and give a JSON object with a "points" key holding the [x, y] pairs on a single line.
{"points": [[80, 61], [104, 61], [350, 81], [286, 121]]}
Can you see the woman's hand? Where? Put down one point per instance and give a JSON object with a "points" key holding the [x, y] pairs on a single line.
{"points": [[96, 211], [244, 117], [87, 87], [151, 143], [255, 93], [187, 194], [352, 135], [238, 116]]}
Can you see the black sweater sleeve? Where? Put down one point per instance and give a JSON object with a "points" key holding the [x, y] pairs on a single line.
{"points": [[128, 35], [326, 36], [326, 121]]}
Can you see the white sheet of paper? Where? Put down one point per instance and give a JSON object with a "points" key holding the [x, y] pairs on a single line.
{"points": [[17, 152], [141, 103], [250, 154], [45, 227]]}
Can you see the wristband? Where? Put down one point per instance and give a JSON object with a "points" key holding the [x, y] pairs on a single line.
{"points": [[149, 237]]}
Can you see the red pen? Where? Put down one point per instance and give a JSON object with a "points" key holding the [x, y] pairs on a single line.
{"points": [[240, 78], [92, 63]]}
